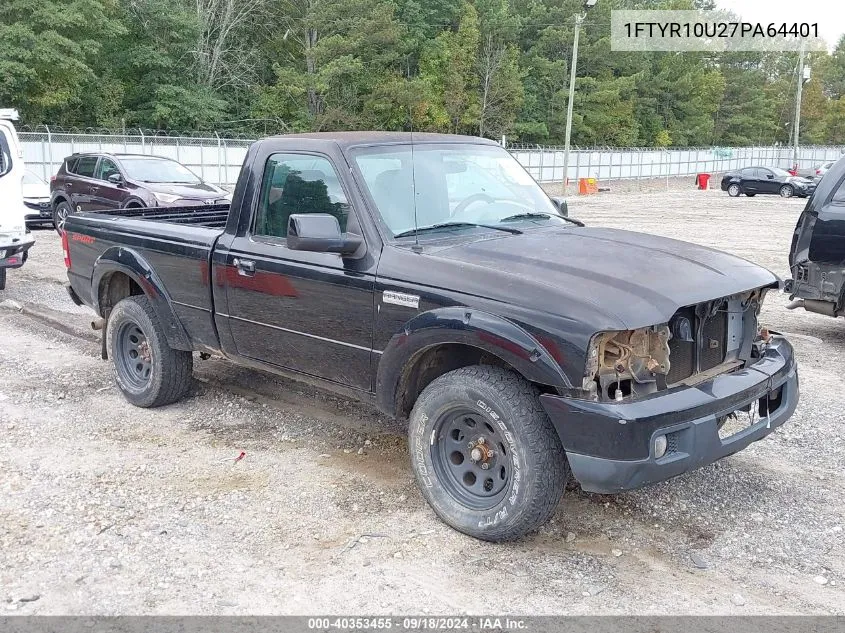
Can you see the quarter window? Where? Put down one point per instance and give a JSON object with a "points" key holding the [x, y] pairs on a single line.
{"points": [[296, 183]]}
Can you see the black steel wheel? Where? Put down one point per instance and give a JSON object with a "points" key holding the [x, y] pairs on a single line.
{"points": [[485, 454], [471, 458], [134, 359], [147, 370]]}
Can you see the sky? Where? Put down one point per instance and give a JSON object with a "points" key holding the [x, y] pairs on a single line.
{"points": [[829, 14]]}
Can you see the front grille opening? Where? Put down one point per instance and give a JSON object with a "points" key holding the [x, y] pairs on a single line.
{"points": [[708, 347]]}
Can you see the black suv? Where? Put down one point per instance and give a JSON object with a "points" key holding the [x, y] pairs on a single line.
{"points": [[86, 182]]}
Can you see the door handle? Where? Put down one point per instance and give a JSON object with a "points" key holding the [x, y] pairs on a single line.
{"points": [[94, 189], [244, 266]]}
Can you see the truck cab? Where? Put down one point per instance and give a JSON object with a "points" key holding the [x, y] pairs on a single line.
{"points": [[15, 240]]}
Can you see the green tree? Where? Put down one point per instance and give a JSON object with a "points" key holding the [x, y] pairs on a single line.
{"points": [[47, 54]]}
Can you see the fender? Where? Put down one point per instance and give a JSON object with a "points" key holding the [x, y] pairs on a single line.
{"points": [[125, 260], [475, 328]]}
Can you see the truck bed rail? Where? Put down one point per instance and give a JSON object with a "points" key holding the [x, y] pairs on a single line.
{"points": [[210, 215]]}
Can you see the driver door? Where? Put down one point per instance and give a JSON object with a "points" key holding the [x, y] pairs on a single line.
{"points": [[308, 312], [104, 193], [767, 181]]}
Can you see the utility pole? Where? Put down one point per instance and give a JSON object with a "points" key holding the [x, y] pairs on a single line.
{"points": [[578, 20], [797, 123]]}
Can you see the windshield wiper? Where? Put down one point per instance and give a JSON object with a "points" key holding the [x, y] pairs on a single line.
{"points": [[532, 215], [446, 225]]}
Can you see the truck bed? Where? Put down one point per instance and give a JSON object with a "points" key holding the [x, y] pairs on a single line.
{"points": [[176, 242]]}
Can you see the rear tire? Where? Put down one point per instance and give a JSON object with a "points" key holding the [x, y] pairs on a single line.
{"points": [[734, 190], [60, 213], [147, 370], [787, 191], [526, 468], [2, 278]]}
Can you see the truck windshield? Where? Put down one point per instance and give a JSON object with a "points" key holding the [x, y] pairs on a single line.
{"points": [[460, 186], [158, 170]]}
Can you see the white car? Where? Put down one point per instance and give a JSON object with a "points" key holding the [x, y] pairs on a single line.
{"points": [[36, 199], [822, 169], [15, 241]]}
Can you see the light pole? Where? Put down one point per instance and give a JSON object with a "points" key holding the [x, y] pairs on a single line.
{"points": [[579, 19], [802, 77]]}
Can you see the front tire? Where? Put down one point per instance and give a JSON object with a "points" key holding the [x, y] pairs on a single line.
{"points": [[734, 190], [787, 191], [60, 214], [485, 454], [147, 370]]}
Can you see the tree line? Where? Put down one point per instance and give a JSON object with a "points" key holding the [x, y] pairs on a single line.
{"points": [[484, 67]]}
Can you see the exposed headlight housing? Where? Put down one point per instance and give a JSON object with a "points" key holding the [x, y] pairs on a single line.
{"points": [[166, 198], [616, 361]]}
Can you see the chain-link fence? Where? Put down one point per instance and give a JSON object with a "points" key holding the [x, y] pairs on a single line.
{"points": [[218, 160], [545, 164], [214, 158]]}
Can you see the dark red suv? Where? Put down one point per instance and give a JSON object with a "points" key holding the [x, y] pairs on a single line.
{"points": [[86, 182]]}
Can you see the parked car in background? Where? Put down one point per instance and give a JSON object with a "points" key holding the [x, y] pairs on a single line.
{"points": [[817, 255], [766, 180], [15, 240], [822, 169], [86, 182], [36, 199]]}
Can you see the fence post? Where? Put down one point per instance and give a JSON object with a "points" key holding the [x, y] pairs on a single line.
{"points": [[142, 141], [49, 153], [226, 160], [218, 156]]}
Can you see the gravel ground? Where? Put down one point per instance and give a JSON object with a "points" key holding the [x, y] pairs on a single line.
{"points": [[107, 509]]}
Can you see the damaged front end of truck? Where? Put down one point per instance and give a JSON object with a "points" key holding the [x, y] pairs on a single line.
{"points": [[657, 400]]}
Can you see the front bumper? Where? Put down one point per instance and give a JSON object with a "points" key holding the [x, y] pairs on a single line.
{"points": [[610, 446], [14, 248], [38, 210]]}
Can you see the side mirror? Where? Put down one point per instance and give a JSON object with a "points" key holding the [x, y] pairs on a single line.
{"points": [[115, 179], [320, 233], [560, 204], [770, 176]]}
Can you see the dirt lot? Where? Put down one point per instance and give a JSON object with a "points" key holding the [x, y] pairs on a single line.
{"points": [[108, 509]]}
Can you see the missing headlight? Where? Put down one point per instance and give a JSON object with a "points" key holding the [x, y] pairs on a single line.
{"points": [[627, 362]]}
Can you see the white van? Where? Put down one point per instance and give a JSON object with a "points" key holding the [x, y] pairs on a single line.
{"points": [[15, 242]]}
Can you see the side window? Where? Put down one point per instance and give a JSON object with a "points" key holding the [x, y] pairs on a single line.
{"points": [[70, 165], [839, 195], [296, 183], [5, 154], [105, 169], [749, 173], [85, 166]]}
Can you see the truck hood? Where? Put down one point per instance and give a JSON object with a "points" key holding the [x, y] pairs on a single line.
{"points": [[632, 279], [198, 191]]}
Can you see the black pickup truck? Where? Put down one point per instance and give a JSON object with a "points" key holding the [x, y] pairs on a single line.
{"points": [[817, 255], [434, 277]]}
